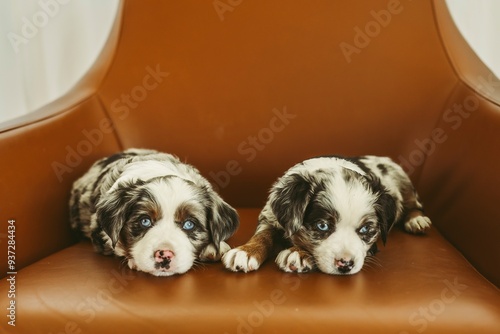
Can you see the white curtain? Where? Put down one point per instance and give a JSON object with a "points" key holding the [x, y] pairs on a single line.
{"points": [[479, 23], [45, 48]]}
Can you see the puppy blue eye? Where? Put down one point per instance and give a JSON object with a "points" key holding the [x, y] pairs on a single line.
{"points": [[146, 222], [363, 230], [188, 225], [322, 226]]}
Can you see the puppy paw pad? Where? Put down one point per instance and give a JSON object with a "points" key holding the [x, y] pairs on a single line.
{"points": [[210, 253], [418, 224], [239, 260], [294, 261]]}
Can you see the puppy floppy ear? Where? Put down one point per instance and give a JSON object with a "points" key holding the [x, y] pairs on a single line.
{"points": [[289, 199], [385, 208], [113, 210], [385, 205], [223, 220]]}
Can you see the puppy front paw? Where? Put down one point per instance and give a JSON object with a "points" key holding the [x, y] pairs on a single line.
{"points": [[295, 260], [210, 253], [238, 259], [417, 224]]}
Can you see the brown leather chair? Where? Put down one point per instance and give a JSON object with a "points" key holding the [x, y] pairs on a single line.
{"points": [[243, 90]]}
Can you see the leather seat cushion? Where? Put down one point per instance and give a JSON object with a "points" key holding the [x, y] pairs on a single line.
{"points": [[417, 283]]}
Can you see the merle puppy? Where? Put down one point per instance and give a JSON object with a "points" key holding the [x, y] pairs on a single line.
{"points": [[331, 210], [158, 213]]}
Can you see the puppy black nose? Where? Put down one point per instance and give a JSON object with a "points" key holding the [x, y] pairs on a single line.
{"points": [[344, 265]]}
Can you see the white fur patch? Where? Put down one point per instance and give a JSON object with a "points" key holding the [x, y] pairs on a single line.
{"points": [[146, 170], [292, 261], [238, 260], [328, 163], [354, 205], [210, 253], [417, 224], [166, 234]]}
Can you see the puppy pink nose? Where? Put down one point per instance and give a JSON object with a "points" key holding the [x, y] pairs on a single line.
{"points": [[163, 255]]}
